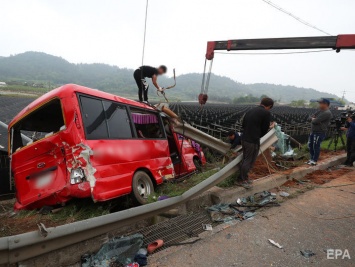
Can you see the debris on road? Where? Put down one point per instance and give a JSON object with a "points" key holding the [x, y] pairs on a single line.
{"points": [[207, 227], [155, 245], [119, 251], [307, 253], [243, 209], [284, 194], [275, 243]]}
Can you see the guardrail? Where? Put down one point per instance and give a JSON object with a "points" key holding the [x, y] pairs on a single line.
{"points": [[28, 245]]}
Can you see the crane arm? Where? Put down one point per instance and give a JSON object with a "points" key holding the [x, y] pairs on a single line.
{"points": [[342, 41]]}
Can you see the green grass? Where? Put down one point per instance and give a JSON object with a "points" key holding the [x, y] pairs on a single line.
{"points": [[172, 189], [325, 144]]}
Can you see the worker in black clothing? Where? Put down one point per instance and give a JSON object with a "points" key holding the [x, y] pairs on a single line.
{"points": [[147, 72], [256, 123], [234, 139]]}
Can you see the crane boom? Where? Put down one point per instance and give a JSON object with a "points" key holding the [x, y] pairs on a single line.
{"points": [[343, 41]]}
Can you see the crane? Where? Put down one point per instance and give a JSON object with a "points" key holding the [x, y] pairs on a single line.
{"points": [[339, 42]]}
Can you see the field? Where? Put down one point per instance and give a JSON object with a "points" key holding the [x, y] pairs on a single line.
{"points": [[218, 119]]}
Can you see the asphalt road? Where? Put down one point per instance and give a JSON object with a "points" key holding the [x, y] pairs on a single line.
{"points": [[246, 243]]}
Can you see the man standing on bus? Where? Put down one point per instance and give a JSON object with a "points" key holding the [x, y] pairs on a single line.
{"points": [[147, 72]]}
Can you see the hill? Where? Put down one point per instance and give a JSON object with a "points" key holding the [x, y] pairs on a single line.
{"points": [[48, 70]]}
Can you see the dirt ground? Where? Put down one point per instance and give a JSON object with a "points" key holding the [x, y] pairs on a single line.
{"points": [[261, 169], [318, 220]]}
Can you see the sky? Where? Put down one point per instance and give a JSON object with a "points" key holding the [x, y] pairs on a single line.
{"points": [[111, 31]]}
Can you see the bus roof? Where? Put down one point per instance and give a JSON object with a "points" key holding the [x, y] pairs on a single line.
{"points": [[66, 91]]}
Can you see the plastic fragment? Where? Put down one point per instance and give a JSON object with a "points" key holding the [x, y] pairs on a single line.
{"points": [[284, 194], [275, 243], [207, 227]]}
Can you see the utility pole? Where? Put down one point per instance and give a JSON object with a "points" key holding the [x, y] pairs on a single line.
{"points": [[343, 95]]}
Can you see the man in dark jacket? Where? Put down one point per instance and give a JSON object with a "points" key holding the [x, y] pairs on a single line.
{"points": [[234, 139], [256, 124], [147, 72], [350, 139], [320, 122]]}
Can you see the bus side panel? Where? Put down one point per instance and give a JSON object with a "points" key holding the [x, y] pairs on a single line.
{"points": [[116, 161]]}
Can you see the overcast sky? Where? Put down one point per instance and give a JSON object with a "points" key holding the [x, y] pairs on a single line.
{"points": [[111, 31]]}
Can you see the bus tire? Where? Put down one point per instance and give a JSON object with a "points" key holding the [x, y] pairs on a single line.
{"points": [[142, 187], [198, 164]]}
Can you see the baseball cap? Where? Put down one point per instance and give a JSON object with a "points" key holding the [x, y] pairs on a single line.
{"points": [[324, 100]]}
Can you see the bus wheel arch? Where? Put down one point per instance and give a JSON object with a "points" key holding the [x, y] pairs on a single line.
{"points": [[143, 185]]}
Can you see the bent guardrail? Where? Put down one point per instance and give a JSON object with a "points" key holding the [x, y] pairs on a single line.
{"points": [[28, 245]]}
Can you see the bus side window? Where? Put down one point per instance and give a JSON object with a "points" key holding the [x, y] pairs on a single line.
{"points": [[118, 121], [147, 124], [94, 118]]}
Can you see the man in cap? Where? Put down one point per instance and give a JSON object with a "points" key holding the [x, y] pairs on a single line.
{"points": [[320, 122]]}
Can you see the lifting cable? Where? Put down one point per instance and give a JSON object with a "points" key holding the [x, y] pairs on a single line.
{"points": [[143, 51], [295, 206], [145, 32], [203, 96]]}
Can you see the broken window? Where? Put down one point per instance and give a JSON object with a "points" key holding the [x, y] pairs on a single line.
{"points": [[40, 123], [105, 119], [147, 124]]}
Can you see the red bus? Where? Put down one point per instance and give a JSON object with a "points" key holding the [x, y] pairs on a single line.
{"points": [[88, 143]]}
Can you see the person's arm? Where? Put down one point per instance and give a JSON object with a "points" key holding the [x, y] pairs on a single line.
{"points": [[155, 83], [321, 117]]}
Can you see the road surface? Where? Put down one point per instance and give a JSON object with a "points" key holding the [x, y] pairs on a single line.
{"points": [[246, 243]]}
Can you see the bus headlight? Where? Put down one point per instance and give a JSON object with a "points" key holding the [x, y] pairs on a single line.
{"points": [[77, 176]]}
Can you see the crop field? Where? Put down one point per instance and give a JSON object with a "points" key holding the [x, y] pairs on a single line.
{"points": [[218, 119]]}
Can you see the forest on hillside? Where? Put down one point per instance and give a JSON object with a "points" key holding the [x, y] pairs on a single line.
{"points": [[51, 71]]}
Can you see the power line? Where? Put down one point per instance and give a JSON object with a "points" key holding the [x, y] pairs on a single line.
{"points": [[145, 29], [275, 53], [294, 16]]}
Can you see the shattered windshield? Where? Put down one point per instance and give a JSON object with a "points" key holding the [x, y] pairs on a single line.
{"points": [[40, 123]]}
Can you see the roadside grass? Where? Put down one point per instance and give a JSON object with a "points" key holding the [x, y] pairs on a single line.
{"points": [[75, 210], [340, 146], [325, 145], [172, 189]]}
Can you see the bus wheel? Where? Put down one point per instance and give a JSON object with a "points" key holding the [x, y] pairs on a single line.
{"points": [[142, 187], [198, 165]]}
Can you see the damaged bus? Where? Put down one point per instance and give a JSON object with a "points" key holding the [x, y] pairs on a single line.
{"points": [[88, 143]]}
